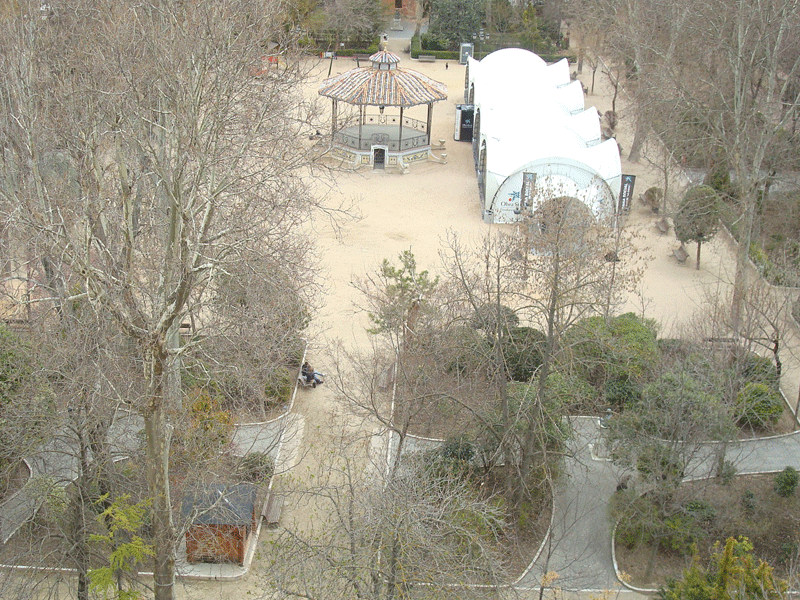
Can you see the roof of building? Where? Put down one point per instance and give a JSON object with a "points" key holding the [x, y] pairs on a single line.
{"points": [[217, 504], [383, 83]]}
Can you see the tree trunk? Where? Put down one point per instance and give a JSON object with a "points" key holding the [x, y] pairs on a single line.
{"points": [[614, 97], [651, 561], [80, 549], [639, 135], [697, 267], [174, 367], [544, 372], [742, 259], [158, 433], [392, 584], [797, 408]]}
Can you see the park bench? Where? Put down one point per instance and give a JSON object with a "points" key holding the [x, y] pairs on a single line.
{"points": [[272, 511], [426, 58], [359, 57], [680, 254], [662, 225]]}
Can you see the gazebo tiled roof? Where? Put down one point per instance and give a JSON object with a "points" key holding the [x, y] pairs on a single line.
{"points": [[383, 83]]}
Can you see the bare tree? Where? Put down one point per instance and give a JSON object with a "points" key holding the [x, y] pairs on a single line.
{"points": [[352, 20], [425, 530], [715, 80], [178, 161]]}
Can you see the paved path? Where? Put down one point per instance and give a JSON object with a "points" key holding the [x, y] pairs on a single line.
{"points": [[580, 546], [56, 463]]}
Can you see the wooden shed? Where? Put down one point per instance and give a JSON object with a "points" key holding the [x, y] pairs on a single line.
{"points": [[223, 517]]}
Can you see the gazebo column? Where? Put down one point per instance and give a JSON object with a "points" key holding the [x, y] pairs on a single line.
{"points": [[430, 120], [400, 142], [333, 119], [360, 122]]}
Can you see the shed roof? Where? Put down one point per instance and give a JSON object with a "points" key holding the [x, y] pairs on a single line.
{"points": [[218, 504]]}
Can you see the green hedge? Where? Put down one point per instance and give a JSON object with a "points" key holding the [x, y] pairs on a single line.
{"points": [[353, 51], [416, 50]]}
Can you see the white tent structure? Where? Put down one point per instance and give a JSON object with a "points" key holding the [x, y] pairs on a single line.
{"points": [[534, 141], [542, 102]]}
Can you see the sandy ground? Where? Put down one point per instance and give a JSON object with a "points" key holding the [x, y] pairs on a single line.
{"points": [[415, 211]]}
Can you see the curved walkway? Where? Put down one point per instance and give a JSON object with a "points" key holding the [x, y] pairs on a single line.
{"points": [[580, 547], [56, 465]]}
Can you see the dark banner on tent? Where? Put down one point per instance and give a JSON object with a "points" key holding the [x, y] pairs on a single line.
{"points": [[526, 195], [626, 194]]}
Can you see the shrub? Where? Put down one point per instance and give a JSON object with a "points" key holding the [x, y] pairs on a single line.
{"points": [[490, 316], [675, 347], [622, 347], [211, 426], [701, 511], [637, 518], [257, 467], [749, 503], [15, 364], [458, 449], [760, 369], [573, 393], [629, 533], [653, 197], [434, 42], [278, 386], [788, 553], [523, 352], [657, 462], [621, 392], [719, 179], [786, 482], [680, 534], [758, 405], [769, 271], [453, 458], [468, 352], [527, 515], [727, 472]]}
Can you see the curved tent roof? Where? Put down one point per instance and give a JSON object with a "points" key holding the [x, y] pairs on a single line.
{"points": [[545, 130], [558, 72], [527, 113], [496, 90], [383, 83], [509, 60], [589, 174], [504, 157]]}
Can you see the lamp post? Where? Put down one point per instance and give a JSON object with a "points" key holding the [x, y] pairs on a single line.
{"points": [[480, 36]]}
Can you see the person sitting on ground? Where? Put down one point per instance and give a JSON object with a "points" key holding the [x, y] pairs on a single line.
{"points": [[309, 374]]}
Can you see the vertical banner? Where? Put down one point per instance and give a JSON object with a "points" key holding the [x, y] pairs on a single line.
{"points": [[625, 194], [526, 194]]}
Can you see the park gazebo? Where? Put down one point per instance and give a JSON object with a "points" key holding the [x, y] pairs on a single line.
{"points": [[381, 137]]}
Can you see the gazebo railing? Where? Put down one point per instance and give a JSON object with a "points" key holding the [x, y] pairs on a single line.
{"points": [[395, 120], [369, 139]]}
